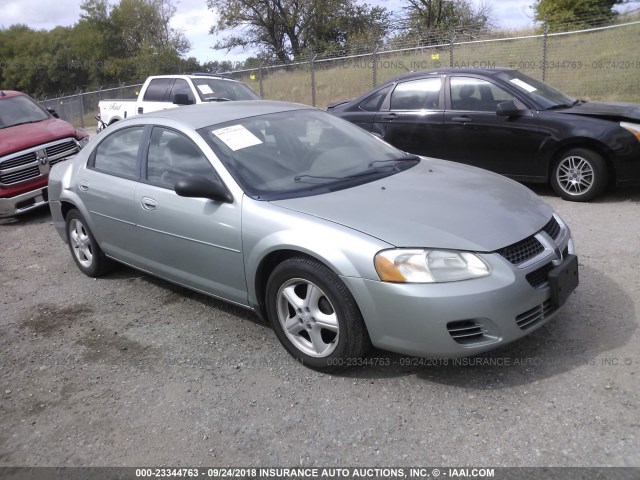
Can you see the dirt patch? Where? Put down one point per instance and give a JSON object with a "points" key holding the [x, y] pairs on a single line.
{"points": [[46, 318]]}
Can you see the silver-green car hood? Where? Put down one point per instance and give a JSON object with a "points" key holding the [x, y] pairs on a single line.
{"points": [[436, 204]]}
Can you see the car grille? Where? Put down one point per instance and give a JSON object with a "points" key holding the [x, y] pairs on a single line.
{"points": [[18, 161], [28, 165], [552, 228], [539, 277], [61, 148], [20, 176], [534, 316], [522, 251], [466, 332]]}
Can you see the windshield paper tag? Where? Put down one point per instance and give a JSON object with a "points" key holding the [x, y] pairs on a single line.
{"points": [[523, 85], [204, 89], [237, 137]]}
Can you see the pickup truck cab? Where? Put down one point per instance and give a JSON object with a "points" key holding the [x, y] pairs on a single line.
{"points": [[32, 140], [169, 91]]}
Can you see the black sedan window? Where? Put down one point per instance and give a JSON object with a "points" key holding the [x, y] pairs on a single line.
{"points": [[423, 94], [543, 96], [476, 95], [373, 103]]}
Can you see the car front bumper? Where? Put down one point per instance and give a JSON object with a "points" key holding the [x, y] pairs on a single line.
{"points": [[23, 203], [456, 319]]}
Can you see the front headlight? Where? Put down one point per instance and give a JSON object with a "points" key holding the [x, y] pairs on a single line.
{"points": [[634, 128], [428, 266]]}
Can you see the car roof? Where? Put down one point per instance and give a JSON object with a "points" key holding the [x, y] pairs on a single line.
{"points": [[196, 75], [10, 93], [448, 70], [205, 114]]}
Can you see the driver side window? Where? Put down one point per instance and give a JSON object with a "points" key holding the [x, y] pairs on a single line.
{"points": [[476, 95], [173, 156]]}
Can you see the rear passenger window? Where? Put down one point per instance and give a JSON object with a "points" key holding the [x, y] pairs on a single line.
{"points": [[118, 153], [423, 94], [173, 156], [373, 103], [158, 90]]}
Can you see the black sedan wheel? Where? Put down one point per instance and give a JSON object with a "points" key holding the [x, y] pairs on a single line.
{"points": [[579, 175], [314, 315]]}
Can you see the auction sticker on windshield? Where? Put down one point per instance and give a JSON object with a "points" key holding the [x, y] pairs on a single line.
{"points": [[523, 85], [236, 137]]}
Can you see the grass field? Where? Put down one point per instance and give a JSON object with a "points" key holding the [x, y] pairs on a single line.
{"points": [[597, 65]]}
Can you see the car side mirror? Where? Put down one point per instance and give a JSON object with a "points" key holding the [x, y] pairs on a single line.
{"points": [[200, 187], [182, 99], [53, 112], [512, 108]]}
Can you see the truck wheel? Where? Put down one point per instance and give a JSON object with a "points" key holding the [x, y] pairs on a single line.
{"points": [[579, 175], [314, 315], [84, 249]]}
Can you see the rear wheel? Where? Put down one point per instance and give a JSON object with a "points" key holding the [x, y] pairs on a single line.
{"points": [[314, 315], [83, 246], [579, 175]]}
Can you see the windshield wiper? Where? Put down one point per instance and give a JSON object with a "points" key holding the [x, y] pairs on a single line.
{"points": [[411, 158], [300, 178], [371, 171], [218, 99]]}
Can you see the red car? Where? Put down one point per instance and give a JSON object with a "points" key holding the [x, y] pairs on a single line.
{"points": [[32, 139]]}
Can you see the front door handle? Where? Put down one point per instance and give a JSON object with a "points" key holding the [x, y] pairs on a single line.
{"points": [[463, 119], [149, 203], [391, 116], [84, 185], [140, 110]]}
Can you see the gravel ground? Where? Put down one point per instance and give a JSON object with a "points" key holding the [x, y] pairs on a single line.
{"points": [[130, 370]]}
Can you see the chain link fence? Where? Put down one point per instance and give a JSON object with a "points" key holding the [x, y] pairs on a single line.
{"points": [[591, 63]]}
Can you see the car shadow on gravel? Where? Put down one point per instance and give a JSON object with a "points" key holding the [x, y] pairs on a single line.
{"points": [[39, 215], [580, 335]]}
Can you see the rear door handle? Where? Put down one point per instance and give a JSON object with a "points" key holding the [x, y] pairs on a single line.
{"points": [[84, 185], [463, 119], [140, 110], [149, 203], [391, 116]]}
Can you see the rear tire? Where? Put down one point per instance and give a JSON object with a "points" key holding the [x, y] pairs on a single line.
{"points": [[83, 246], [314, 315], [579, 175]]}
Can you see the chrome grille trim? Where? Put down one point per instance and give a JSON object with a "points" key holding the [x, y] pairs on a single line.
{"points": [[35, 161], [534, 316]]}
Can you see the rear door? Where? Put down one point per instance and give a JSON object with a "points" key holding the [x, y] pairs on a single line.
{"points": [[107, 186], [411, 116], [193, 241]]}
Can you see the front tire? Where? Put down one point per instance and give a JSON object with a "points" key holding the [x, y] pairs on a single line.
{"points": [[83, 246], [579, 175], [314, 315]]}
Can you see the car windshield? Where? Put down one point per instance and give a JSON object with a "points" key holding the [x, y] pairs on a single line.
{"points": [[18, 110], [217, 89], [300, 153], [543, 96]]}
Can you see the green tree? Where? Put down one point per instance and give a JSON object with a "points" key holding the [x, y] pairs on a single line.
{"points": [[287, 29], [577, 13], [437, 20]]}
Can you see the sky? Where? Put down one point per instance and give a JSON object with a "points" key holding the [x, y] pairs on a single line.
{"points": [[195, 20]]}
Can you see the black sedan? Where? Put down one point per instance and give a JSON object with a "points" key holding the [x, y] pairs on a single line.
{"points": [[507, 122]]}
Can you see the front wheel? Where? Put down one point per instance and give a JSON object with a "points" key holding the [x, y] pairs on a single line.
{"points": [[579, 175], [314, 315], [84, 249]]}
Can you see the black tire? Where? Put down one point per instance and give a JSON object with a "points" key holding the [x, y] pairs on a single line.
{"points": [[579, 175], [339, 325], [85, 251]]}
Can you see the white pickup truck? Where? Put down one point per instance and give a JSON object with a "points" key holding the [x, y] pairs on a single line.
{"points": [[170, 91]]}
